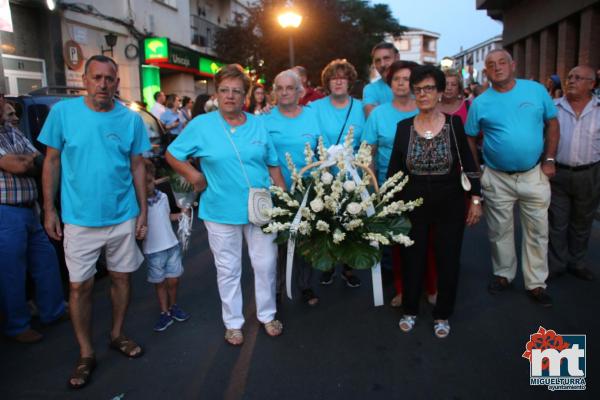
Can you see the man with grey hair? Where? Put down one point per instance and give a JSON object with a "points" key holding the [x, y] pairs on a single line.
{"points": [[576, 186], [291, 127], [520, 159], [94, 152]]}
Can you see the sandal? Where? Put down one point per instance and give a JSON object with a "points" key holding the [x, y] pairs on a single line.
{"points": [[396, 301], [126, 346], [309, 297], [441, 328], [274, 328], [83, 372], [234, 337], [407, 322]]}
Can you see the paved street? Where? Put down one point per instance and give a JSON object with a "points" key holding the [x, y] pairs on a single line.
{"points": [[342, 349]]}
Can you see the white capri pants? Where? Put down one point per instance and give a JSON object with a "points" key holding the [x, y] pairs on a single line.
{"points": [[226, 245]]}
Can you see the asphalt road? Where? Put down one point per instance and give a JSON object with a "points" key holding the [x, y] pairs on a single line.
{"points": [[343, 349]]}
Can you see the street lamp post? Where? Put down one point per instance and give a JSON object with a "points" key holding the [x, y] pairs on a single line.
{"points": [[290, 19]]}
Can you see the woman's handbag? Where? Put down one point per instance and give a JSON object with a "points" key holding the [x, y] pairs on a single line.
{"points": [[259, 200], [464, 179]]}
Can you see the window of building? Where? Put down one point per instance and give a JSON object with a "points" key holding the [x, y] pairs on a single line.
{"points": [[404, 45], [476, 55], [170, 3]]}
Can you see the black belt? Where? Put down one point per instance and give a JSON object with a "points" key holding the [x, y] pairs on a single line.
{"points": [[578, 167], [518, 172], [22, 205]]}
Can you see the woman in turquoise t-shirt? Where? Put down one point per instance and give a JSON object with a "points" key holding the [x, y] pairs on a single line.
{"points": [[336, 114], [236, 153], [291, 127]]}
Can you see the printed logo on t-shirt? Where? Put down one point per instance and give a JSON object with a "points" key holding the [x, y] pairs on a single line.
{"points": [[257, 142], [113, 136]]}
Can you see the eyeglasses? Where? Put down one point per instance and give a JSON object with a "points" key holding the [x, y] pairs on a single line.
{"points": [[428, 89], [226, 91], [578, 78]]}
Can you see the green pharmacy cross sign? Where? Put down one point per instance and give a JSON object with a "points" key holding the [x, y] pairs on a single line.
{"points": [[208, 66], [156, 49]]}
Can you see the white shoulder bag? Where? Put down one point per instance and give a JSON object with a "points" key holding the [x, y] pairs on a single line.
{"points": [[259, 199]]}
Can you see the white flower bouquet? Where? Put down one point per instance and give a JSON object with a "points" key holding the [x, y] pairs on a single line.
{"points": [[185, 197], [332, 215]]}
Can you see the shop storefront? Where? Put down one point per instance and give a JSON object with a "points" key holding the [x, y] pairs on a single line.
{"points": [[177, 69]]}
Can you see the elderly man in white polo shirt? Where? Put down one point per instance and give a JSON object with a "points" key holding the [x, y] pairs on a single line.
{"points": [[576, 186]]}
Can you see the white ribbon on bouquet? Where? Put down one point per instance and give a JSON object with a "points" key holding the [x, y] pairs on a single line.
{"points": [[333, 153]]}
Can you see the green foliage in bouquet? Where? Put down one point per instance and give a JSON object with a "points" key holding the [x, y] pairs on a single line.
{"points": [[179, 184], [334, 226]]}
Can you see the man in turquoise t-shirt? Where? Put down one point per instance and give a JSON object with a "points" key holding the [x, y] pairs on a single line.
{"points": [[513, 114], [380, 131], [94, 146], [379, 92]]}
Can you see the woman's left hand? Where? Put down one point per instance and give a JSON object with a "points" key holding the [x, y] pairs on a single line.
{"points": [[474, 214]]}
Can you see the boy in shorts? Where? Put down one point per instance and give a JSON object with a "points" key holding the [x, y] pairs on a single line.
{"points": [[163, 254]]}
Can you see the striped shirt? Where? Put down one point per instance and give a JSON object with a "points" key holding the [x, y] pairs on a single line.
{"points": [[15, 189], [579, 137]]}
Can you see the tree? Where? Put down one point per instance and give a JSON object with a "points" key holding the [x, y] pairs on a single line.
{"points": [[330, 29]]}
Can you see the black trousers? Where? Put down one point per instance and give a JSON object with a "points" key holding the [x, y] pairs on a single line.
{"points": [[442, 213], [575, 199], [301, 274]]}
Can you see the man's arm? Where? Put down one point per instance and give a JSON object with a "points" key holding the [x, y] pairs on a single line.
{"points": [[50, 181], [138, 171], [472, 141], [551, 145], [18, 164]]}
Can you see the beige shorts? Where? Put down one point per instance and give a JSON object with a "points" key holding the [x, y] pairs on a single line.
{"points": [[83, 245]]}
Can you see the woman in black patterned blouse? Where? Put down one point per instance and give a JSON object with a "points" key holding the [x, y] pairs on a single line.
{"points": [[427, 148]]}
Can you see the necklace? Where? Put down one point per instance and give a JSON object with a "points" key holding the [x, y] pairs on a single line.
{"points": [[428, 135], [238, 118]]}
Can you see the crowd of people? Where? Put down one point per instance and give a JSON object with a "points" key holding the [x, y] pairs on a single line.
{"points": [[466, 156]]}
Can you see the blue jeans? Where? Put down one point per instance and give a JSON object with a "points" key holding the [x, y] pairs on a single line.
{"points": [[25, 246]]}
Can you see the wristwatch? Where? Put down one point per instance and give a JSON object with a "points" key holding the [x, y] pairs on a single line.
{"points": [[550, 159]]}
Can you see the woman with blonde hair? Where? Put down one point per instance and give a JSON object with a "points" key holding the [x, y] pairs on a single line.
{"points": [[236, 154]]}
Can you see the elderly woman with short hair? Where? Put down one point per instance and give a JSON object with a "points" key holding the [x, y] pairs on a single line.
{"points": [[430, 149], [291, 127], [453, 101], [336, 114], [236, 152]]}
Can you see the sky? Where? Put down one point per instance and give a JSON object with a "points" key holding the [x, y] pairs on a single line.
{"points": [[457, 21]]}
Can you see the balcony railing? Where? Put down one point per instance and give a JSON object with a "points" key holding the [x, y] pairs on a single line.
{"points": [[203, 31]]}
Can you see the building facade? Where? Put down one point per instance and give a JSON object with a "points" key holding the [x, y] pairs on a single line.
{"points": [[470, 62], [159, 45], [548, 36], [416, 45], [31, 53]]}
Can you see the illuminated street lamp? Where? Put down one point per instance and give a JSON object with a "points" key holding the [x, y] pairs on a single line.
{"points": [[292, 20]]}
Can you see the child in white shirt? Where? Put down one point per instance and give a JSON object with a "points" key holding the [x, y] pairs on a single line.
{"points": [[163, 253]]}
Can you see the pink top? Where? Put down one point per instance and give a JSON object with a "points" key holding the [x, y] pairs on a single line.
{"points": [[462, 112]]}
